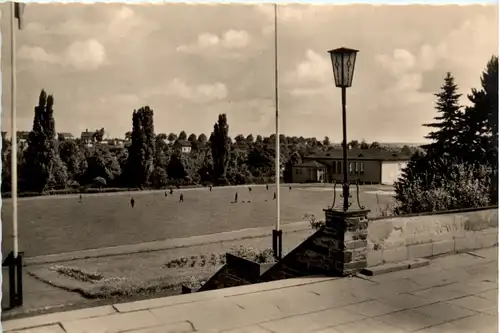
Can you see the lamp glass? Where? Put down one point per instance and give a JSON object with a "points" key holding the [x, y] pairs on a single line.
{"points": [[343, 61]]}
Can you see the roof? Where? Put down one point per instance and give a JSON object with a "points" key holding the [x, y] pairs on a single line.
{"points": [[65, 134], [313, 164], [87, 134], [183, 143], [362, 154]]}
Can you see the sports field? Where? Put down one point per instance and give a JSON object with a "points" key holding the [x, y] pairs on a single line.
{"points": [[58, 224]]}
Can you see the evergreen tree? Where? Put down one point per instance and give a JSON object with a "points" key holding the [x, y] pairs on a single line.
{"points": [[182, 136], [221, 147], [142, 150], [43, 169], [447, 134]]}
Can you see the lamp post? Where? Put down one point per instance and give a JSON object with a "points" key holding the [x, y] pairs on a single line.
{"points": [[343, 61]]}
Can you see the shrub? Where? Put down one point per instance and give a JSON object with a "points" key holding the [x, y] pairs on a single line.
{"points": [[463, 186], [313, 222]]}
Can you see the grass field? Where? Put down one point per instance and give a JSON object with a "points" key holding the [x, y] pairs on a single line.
{"points": [[60, 224]]}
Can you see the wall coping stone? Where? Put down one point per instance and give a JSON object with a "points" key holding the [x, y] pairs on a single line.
{"points": [[349, 213], [443, 212]]}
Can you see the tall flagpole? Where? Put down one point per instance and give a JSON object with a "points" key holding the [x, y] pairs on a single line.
{"points": [[13, 121], [277, 138]]}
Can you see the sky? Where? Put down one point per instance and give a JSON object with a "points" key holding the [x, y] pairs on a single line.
{"points": [[190, 63]]}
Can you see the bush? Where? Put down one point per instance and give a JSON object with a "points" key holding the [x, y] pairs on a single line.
{"points": [[313, 222], [463, 186]]}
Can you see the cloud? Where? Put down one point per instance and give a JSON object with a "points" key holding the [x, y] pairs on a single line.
{"points": [[310, 76], [230, 40], [81, 55], [202, 93]]}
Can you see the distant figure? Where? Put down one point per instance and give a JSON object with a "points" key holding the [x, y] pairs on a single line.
{"points": [[289, 187], [236, 197], [171, 191], [267, 187], [274, 196], [210, 187], [166, 193], [81, 199], [181, 198], [249, 189], [132, 202]]}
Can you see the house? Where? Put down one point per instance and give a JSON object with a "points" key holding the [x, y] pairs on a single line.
{"points": [[375, 166], [65, 136], [22, 138], [183, 145], [88, 137]]}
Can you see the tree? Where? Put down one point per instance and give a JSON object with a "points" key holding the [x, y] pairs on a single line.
{"points": [[240, 140], [364, 145], [259, 139], [43, 169], [202, 138], [99, 135], [101, 163], [326, 141], [354, 144], [172, 137], [182, 136], [375, 145], [142, 150], [447, 123], [249, 138], [128, 135], [292, 160], [221, 146], [74, 159], [175, 168], [192, 137]]}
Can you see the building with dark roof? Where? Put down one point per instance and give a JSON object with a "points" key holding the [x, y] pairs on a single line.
{"points": [[183, 145], [375, 166]]}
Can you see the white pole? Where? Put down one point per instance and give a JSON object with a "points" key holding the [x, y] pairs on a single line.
{"points": [[13, 128], [277, 139]]}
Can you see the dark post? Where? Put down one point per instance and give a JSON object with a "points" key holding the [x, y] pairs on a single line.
{"points": [[345, 186]]}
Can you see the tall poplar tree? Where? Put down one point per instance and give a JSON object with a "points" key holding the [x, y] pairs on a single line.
{"points": [[220, 144]]}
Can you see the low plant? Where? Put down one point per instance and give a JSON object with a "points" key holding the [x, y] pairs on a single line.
{"points": [[314, 222], [259, 256], [83, 276]]}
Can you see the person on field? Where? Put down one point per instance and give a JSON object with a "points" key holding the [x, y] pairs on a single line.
{"points": [[210, 187], [250, 189], [166, 193], [236, 197], [274, 196], [132, 202], [81, 199], [181, 198], [267, 187], [289, 187], [171, 191]]}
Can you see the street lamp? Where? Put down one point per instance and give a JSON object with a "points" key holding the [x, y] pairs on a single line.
{"points": [[343, 61]]}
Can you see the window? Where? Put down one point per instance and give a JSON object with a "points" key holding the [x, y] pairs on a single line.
{"points": [[362, 168], [356, 168], [339, 167], [350, 168]]}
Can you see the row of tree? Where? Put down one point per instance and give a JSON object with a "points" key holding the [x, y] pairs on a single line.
{"points": [[459, 167], [152, 160]]}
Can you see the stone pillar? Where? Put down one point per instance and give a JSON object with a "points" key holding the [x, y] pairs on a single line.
{"points": [[348, 232]]}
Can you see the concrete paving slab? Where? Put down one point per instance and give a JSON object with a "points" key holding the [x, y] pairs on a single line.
{"points": [[42, 329], [475, 303], [444, 311], [490, 294], [54, 318], [368, 325], [476, 324], [247, 329], [443, 293], [113, 323], [370, 308], [405, 301], [180, 327], [312, 321], [409, 320]]}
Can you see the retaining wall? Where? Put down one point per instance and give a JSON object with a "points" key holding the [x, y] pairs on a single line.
{"points": [[408, 237]]}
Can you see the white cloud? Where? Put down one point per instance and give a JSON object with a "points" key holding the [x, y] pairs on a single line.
{"points": [[315, 68], [230, 40], [202, 93], [81, 55]]}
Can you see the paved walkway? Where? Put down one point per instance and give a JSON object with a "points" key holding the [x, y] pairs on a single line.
{"points": [[457, 293]]}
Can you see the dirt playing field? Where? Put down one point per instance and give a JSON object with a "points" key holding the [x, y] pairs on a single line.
{"points": [[50, 225]]}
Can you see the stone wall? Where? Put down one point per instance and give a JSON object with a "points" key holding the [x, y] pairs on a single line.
{"points": [[400, 238]]}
